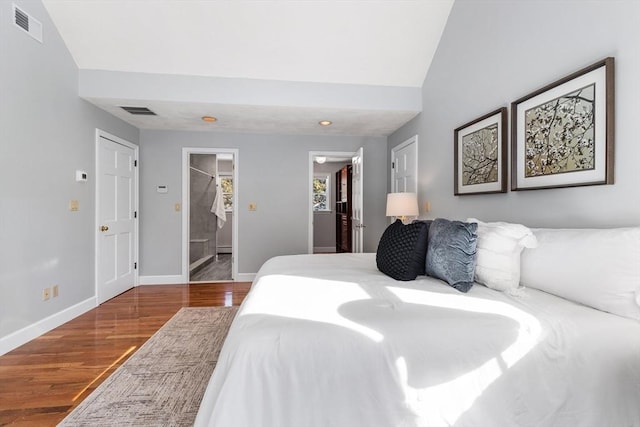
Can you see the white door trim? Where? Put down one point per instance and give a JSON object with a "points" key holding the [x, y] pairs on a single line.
{"points": [[312, 156], [186, 151], [136, 274], [404, 144]]}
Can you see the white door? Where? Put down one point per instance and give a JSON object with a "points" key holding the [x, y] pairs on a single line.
{"points": [[116, 239], [404, 167], [356, 211]]}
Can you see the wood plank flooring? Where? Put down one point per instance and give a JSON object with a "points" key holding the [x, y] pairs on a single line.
{"points": [[43, 380]]}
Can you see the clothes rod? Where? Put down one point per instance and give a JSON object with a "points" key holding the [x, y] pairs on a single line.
{"points": [[203, 172]]}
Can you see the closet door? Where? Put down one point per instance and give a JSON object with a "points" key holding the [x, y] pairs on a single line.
{"points": [[116, 241]]}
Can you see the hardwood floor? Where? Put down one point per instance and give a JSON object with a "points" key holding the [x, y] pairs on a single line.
{"points": [[43, 380]]}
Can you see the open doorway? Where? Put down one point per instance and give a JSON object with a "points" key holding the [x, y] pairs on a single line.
{"points": [[209, 225], [332, 202]]}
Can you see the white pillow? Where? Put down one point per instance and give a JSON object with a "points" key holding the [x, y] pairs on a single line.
{"points": [[595, 267], [498, 253]]}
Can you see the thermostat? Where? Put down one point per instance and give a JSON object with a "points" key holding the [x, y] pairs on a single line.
{"points": [[81, 176]]}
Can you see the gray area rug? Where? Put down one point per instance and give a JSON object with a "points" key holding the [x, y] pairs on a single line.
{"points": [[162, 384]]}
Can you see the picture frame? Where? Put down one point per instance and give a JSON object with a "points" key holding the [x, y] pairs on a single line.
{"points": [[562, 135], [480, 155]]}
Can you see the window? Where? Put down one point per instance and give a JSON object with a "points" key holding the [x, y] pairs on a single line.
{"points": [[321, 193], [226, 183]]}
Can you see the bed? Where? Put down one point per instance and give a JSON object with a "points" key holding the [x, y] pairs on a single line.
{"points": [[329, 340]]}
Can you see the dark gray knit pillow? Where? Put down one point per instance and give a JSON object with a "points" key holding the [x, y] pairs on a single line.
{"points": [[451, 253], [402, 250]]}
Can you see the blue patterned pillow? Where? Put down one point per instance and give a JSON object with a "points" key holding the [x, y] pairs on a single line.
{"points": [[402, 250], [451, 253]]}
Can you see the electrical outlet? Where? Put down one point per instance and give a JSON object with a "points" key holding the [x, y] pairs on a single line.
{"points": [[46, 294], [177, 207], [253, 206], [427, 206], [74, 205], [54, 291]]}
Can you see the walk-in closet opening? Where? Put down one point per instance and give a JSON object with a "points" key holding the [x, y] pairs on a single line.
{"points": [[210, 230]]}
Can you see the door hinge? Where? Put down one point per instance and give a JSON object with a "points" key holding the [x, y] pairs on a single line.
{"points": [[135, 214], [135, 163], [393, 165], [135, 265]]}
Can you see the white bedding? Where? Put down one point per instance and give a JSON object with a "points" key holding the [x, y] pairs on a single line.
{"points": [[328, 340]]}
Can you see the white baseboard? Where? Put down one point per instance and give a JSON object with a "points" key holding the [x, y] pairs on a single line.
{"points": [[323, 249], [175, 279], [224, 249], [178, 280], [26, 334], [245, 277]]}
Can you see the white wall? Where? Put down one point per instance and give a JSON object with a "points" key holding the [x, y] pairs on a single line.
{"points": [[46, 133], [493, 52], [273, 173]]}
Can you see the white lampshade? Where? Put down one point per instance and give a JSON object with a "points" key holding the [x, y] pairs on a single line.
{"points": [[402, 204]]}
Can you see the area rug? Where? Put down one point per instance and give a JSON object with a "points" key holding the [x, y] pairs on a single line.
{"points": [[162, 384]]}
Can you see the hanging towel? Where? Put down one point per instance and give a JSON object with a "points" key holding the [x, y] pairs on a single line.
{"points": [[218, 207]]}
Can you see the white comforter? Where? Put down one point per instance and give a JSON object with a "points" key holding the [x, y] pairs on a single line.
{"points": [[328, 340]]}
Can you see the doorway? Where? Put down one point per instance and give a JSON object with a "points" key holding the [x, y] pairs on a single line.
{"points": [[209, 223], [334, 219]]}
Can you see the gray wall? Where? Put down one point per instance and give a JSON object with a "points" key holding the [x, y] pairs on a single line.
{"points": [[493, 52], [203, 225], [224, 236], [46, 133], [273, 173]]}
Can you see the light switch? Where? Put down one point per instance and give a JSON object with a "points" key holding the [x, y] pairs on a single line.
{"points": [[253, 206], [427, 206], [74, 205], [81, 176], [177, 207]]}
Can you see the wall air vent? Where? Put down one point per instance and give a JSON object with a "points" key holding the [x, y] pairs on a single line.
{"points": [[139, 111], [27, 23]]}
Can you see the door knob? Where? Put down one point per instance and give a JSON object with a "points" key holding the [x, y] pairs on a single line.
{"points": [[104, 228]]}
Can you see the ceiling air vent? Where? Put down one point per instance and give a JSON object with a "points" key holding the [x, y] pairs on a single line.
{"points": [[27, 23], [139, 111]]}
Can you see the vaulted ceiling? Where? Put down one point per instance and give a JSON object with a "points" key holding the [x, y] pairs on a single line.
{"points": [[257, 66]]}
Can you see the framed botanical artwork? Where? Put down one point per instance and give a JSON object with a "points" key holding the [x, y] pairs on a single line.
{"points": [[480, 155], [562, 134]]}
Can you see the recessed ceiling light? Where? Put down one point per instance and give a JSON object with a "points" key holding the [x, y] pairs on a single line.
{"points": [[209, 119], [325, 123]]}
